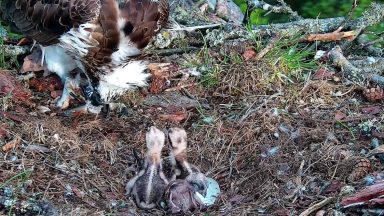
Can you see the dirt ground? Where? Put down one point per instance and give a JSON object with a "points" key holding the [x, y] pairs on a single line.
{"points": [[274, 146]]}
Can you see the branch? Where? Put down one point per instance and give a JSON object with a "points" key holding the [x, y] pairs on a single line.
{"points": [[351, 71], [333, 36], [373, 15]]}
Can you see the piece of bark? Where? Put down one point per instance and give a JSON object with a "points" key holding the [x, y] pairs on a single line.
{"points": [[332, 36], [176, 117], [363, 196], [11, 145]]}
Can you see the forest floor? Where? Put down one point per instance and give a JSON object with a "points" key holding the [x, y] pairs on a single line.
{"points": [[277, 136]]}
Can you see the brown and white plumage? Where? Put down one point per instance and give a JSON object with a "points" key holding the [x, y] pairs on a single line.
{"points": [[100, 37]]}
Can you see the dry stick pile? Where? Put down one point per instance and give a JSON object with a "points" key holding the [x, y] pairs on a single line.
{"points": [[340, 29]]}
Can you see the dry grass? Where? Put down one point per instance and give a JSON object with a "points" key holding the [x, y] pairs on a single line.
{"points": [[271, 144]]}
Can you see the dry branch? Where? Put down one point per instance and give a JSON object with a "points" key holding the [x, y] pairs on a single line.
{"points": [[373, 15], [333, 36], [370, 194], [283, 8], [351, 71]]}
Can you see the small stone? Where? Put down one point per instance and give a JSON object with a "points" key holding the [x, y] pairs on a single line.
{"points": [[228, 10], [374, 143], [369, 180], [276, 135]]}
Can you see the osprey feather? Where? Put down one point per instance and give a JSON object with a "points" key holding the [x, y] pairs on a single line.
{"points": [[90, 44]]}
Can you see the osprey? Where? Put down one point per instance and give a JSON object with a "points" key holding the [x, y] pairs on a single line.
{"points": [[90, 44]]}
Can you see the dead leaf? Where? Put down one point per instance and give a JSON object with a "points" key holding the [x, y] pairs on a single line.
{"points": [[373, 110], [12, 144], [10, 86], [249, 54], [176, 117], [340, 115], [323, 73]]}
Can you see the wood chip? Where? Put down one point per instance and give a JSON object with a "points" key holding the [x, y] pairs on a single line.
{"points": [[175, 117], [12, 144]]}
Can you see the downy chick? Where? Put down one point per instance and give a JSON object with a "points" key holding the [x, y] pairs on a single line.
{"points": [[147, 188], [181, 193]]}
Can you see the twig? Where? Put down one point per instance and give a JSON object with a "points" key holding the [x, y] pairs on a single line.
{"points": [[283, 8], [349, 15], [365, 44], [317, 206], [370, 43], [268, 48]]}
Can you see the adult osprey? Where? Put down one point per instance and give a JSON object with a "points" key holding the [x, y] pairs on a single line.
{"points": [[90, 43]]}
